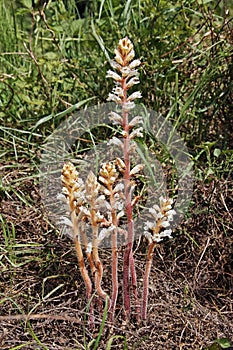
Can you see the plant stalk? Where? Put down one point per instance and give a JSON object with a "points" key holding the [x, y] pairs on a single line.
{"points": [[128, 255], [79, 252], [95, 253], [82, 267], [114, 260]]}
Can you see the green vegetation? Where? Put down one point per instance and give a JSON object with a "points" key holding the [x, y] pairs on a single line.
{"points": [[221, 343], [53, 62]]}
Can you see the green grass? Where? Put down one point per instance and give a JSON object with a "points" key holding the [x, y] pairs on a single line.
{"points": [[50, 63]]}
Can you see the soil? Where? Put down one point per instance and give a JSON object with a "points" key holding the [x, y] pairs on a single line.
{"points": [[43, 302]]}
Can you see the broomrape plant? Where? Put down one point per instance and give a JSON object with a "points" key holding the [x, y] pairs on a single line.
{"points": [[101, 201]]}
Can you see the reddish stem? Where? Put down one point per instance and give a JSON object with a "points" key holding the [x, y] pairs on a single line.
{"points": [[128, 255]]}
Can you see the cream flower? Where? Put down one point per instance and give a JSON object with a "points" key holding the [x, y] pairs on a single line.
{"points": [[161, 217]]}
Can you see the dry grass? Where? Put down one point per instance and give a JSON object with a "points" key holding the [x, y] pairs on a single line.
{"points": [[42, 293]]}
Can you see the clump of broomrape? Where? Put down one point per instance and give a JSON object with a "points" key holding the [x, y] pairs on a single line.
{"points": [[99, 202]]}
